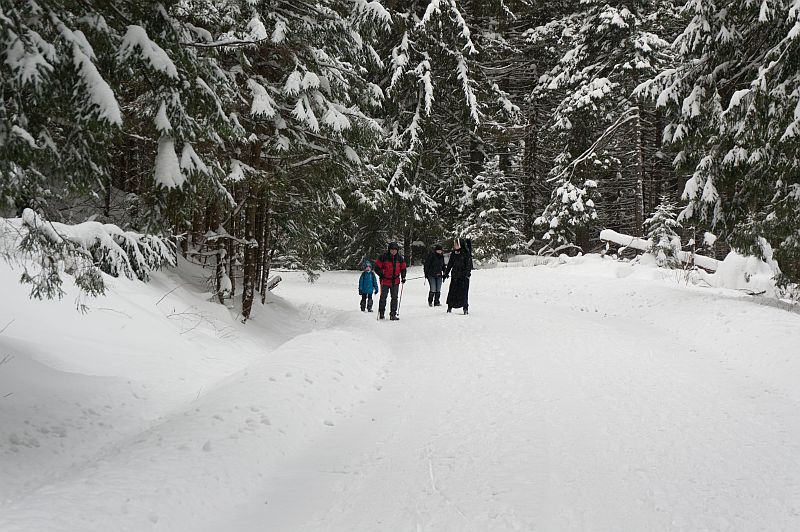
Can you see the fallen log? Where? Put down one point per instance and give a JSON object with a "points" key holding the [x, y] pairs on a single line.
{"points": [[273, 282], [641, 244]]}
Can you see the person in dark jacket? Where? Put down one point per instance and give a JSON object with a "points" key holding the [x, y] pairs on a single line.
{"points": [[434, 272], [391, 268], [367, 285], [460, 265]]}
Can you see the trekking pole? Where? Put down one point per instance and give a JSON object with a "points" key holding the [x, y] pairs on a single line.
{"points": [[400, 299], [415, 278]]}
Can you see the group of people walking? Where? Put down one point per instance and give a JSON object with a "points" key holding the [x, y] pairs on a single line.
{"points": [[391, 268]]}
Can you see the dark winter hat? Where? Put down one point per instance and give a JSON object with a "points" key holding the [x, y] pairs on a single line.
{"points": [[394, 245], [438, 247]]}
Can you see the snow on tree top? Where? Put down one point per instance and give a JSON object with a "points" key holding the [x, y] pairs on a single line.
{"points": [[310, 80], [136, 37], [292, 85], [162, 122], [279, 33], [336, 120], [28, 66], [375, 10], [99, 92], [168, 169], [263, 104], [256, 29]]}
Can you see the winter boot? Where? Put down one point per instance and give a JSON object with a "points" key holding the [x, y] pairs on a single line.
{"points": [[449, 309], [394, 317], [466, 312], [430, 299], [381, 316], [436, 302]]}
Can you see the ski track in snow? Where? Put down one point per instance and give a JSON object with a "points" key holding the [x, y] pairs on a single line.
{"points": [[570, 399]]}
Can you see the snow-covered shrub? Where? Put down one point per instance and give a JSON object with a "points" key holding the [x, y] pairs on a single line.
{"points": [[83, 251], [661, 232], [749, 273]]}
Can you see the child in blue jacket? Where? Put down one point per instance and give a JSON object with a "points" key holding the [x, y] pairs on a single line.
{"points": [[367, 285]]}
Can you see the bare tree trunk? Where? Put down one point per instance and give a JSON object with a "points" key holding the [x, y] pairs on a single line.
{"points": [[250, 254], [107, 199], [259, 237], [232, 244], [476, 156], [529, 176], [220, 271], [266, 260], [639, 207]]}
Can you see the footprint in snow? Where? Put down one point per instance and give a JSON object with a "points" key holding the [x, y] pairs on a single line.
{"points": [[328, 422], [207, 446]]}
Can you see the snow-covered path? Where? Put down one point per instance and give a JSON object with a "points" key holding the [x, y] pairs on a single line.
{"points": [[578, 398], [544, 411]]}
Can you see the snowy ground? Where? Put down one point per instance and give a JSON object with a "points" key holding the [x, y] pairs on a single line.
{"points": [[593, 396]]}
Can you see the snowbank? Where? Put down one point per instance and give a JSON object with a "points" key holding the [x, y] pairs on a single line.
{"points": [[747, 273]]}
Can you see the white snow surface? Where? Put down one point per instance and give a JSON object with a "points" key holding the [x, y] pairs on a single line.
{"points": [[583, 395]]}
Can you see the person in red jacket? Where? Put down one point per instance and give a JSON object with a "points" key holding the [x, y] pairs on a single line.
{"points": [[391, 268]]}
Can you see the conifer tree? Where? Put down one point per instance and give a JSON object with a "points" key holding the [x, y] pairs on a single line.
{"points": [[491, 221], [597, 122], [732, 101], [662, 233]]}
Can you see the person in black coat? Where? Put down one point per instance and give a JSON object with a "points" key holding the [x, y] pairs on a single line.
{"points": [[434, 272], [460, 266]]}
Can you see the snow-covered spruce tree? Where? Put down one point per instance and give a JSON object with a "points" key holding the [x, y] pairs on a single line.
{"points": [[437, 97], [732, 103], [302, 126], [597, 121], [661, 232], [491, 220], [570, 212], [175, 98], [77, 78], [57, 109]]}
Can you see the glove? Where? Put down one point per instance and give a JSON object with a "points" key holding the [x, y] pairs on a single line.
{"points": [[376, 292], [403, 280], [445, 277]]}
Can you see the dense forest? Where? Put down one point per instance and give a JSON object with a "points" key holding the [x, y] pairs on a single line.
{"points": [[252, 134]]}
